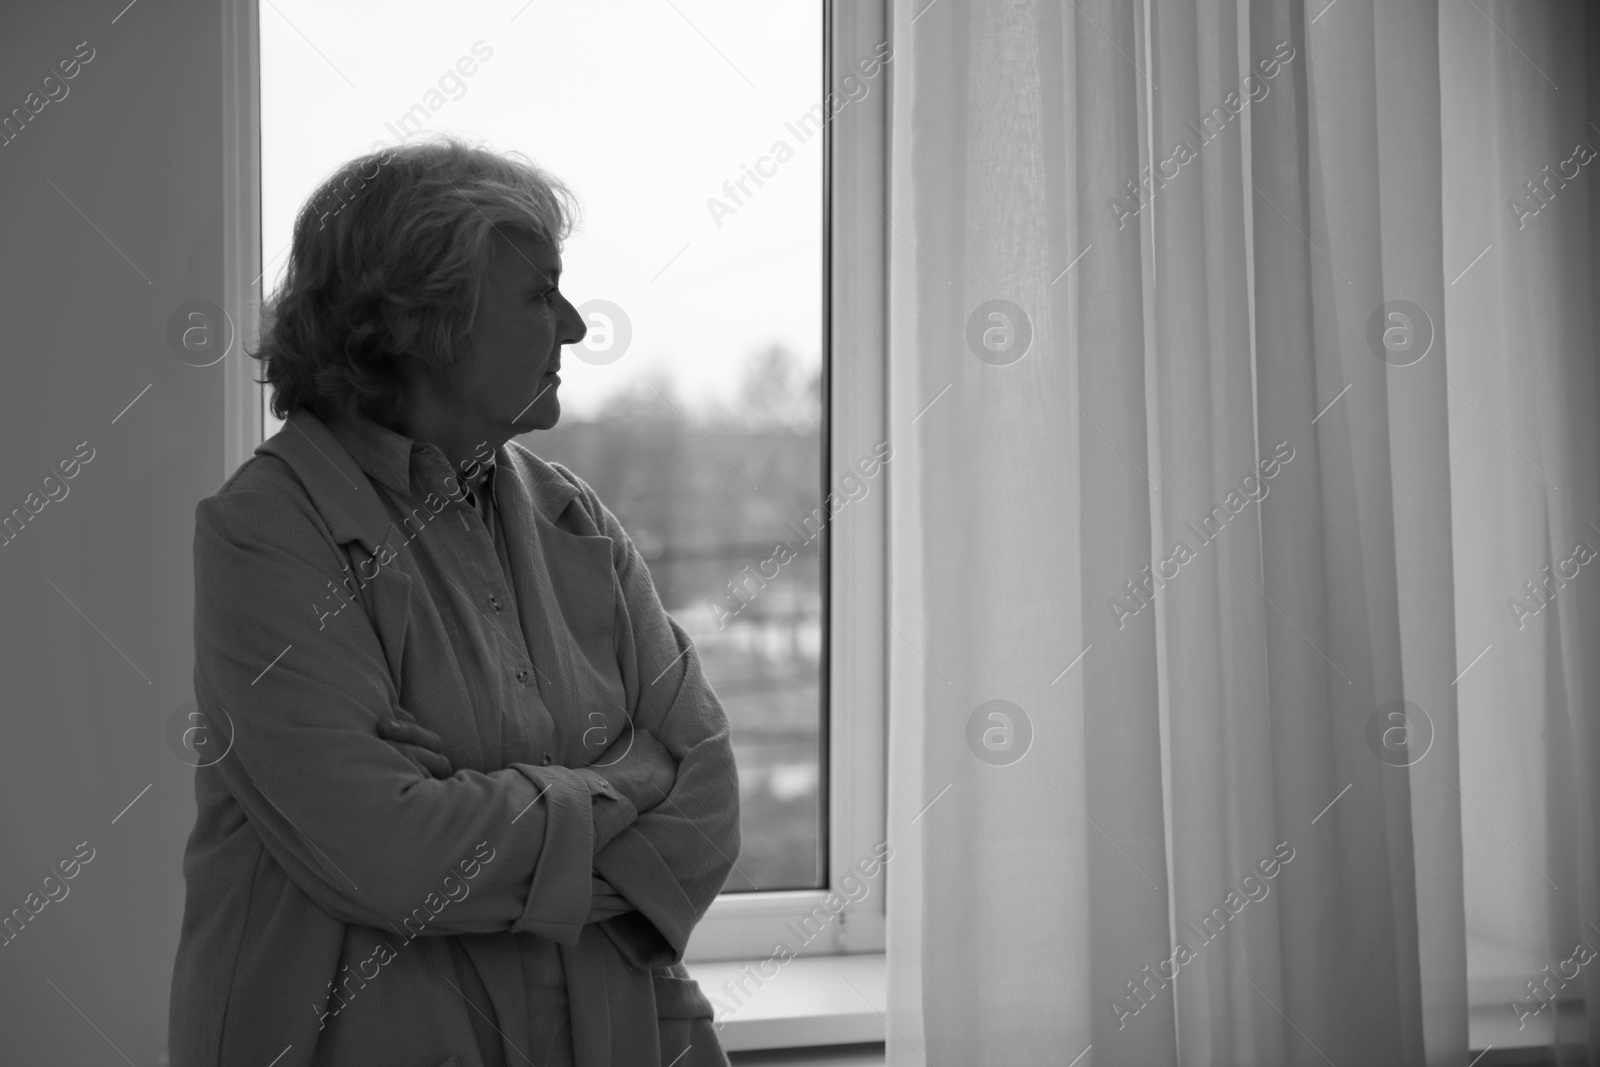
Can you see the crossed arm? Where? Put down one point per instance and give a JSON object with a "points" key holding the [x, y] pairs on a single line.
{"points": [[672, 862], [369, 833], [642, 774]]}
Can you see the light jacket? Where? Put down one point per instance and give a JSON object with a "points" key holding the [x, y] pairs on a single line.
{"points": [[316, 840]]}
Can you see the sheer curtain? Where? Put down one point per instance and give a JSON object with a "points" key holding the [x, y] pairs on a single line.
{"points": [[1202, 827], [1524, 397]]}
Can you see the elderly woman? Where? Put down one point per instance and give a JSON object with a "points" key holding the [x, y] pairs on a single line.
{"points": [[476, 791]]}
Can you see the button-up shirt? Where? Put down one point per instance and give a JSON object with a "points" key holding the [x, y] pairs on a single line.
{"points": [[463, 559], [480, 495]]}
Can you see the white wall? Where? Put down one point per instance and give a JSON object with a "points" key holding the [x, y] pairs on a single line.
{"points": [[89, 685]]}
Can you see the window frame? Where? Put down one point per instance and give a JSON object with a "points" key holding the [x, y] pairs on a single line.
{"points": [[853, 728]]}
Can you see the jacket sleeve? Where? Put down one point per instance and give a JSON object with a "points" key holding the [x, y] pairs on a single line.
{"points": [[356, 825], [671, 863], [607, 903], [613, 812]]}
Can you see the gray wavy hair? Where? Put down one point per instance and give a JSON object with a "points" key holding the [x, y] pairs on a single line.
{"points": [[387, 264]]}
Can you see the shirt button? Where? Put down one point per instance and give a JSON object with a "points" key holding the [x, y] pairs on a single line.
{"points": [[494, 602], [545, 761], [522, 676]]}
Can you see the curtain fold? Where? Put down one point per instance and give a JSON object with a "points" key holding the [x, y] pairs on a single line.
{"points": [[1171, 538], [1521, 266]]}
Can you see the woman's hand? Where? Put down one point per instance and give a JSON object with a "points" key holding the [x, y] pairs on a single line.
{"points": [[417, 744], [644, 774]]}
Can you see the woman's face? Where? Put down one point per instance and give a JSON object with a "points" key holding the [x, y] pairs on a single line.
{"points": [[506, 376]]}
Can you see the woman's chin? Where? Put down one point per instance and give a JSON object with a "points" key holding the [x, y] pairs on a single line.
{"points": [[544, 412], [542, 416]]}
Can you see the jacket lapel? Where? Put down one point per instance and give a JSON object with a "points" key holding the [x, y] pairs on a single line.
{"points": [[338, 487], [566, 589], [343, 495]]}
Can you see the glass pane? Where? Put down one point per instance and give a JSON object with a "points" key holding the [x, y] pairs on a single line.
{"points": [[690, 133]]}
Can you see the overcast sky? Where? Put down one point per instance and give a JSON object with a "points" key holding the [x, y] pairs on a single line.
{"points": [[644, 107]]}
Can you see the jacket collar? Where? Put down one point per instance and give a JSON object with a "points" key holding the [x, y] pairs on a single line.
{"points": [[341, 489], [385, 455]]}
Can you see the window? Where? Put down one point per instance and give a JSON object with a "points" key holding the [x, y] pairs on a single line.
{"points": [[702, 407]]}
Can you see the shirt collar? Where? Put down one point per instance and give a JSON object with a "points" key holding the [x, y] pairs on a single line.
{"points": [[319, 460], [386, 455], [484, 482]]}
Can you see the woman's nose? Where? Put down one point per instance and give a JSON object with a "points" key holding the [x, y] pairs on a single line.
{"points": [[573, 328]]}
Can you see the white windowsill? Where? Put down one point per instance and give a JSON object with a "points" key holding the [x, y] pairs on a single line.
{"points": [[819, 1056], [808, 1002]]}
